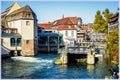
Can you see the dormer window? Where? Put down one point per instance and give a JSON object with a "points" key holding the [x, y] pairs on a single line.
{"points": [[55, 23], [27, 15], [69, 26], [13, 16]]}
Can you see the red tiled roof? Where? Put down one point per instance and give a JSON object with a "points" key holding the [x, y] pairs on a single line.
{"points": [[66, 27], [85, 28], [62, 24], [73, 19], [60, 21], [45, 25], [66, 21]]}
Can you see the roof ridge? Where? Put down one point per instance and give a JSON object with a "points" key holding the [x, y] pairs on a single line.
{"points": [[20, 9]]}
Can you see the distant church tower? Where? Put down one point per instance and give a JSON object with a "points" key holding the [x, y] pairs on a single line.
{"points": [[63, 16], [24, 19]]}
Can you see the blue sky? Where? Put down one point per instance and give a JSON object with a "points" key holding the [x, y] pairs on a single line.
{"points": [[50, 11]]}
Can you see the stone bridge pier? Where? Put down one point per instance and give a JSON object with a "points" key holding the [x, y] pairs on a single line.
{"points": [[73, 57], [90, 57], [64, 58]]}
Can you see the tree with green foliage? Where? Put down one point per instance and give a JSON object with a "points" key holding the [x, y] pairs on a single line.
{"points": [[100, 22], [107, 16], [112, 48], [112, 39]]}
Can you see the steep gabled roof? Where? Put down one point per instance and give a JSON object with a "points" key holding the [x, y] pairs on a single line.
{"points": [[45, 25], [60, 21], [3, 14], [14, 7], [25, 8], [85, 28], [66, 21], [73, 19], [61, 24]]}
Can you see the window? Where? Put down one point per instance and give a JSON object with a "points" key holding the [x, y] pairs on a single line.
{"points": [[13, 16], [13, 31], [10, 24], [27, 41], [72, 33], [66, 33], [19, 42], [12, 41], [55, 23], [69, 26], [27, 15], [3, 31], [27, 23]]}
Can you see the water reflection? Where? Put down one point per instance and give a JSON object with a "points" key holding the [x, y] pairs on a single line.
{"points": [[63, 68], [90, 69]]}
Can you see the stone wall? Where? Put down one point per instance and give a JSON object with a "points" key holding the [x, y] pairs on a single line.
{"points": [[28, 48]]}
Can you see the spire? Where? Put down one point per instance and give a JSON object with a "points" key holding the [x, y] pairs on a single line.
{"points": [[118, 10], [63, 16]]}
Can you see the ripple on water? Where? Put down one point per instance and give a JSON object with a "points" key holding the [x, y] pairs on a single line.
{"points": [[42, 66], [31, 59]]}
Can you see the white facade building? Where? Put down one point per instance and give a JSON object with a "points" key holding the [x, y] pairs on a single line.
{"points": [[69, 36], [24, 20]]}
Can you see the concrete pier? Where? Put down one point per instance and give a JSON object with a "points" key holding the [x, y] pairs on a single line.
{"points": [[64, 58], [90, 57], [72, 55]]}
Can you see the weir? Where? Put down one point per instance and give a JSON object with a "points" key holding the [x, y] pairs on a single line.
{"points": [[73, 54]]}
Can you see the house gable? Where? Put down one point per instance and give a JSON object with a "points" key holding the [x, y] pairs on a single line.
{"points": [[14, 7]]}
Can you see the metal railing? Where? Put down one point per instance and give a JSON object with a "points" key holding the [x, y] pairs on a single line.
{"points": [[72, 51]]}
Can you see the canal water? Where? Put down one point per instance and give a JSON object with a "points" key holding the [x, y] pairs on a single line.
{"points": [[43, 67]]}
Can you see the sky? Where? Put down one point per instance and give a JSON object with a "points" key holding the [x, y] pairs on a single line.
{"points": [[52, 10]]}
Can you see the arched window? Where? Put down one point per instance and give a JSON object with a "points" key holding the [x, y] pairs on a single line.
{"points": [[12, 41]]}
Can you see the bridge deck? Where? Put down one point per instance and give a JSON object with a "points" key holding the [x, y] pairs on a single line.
{"points": [[74, 50]]}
